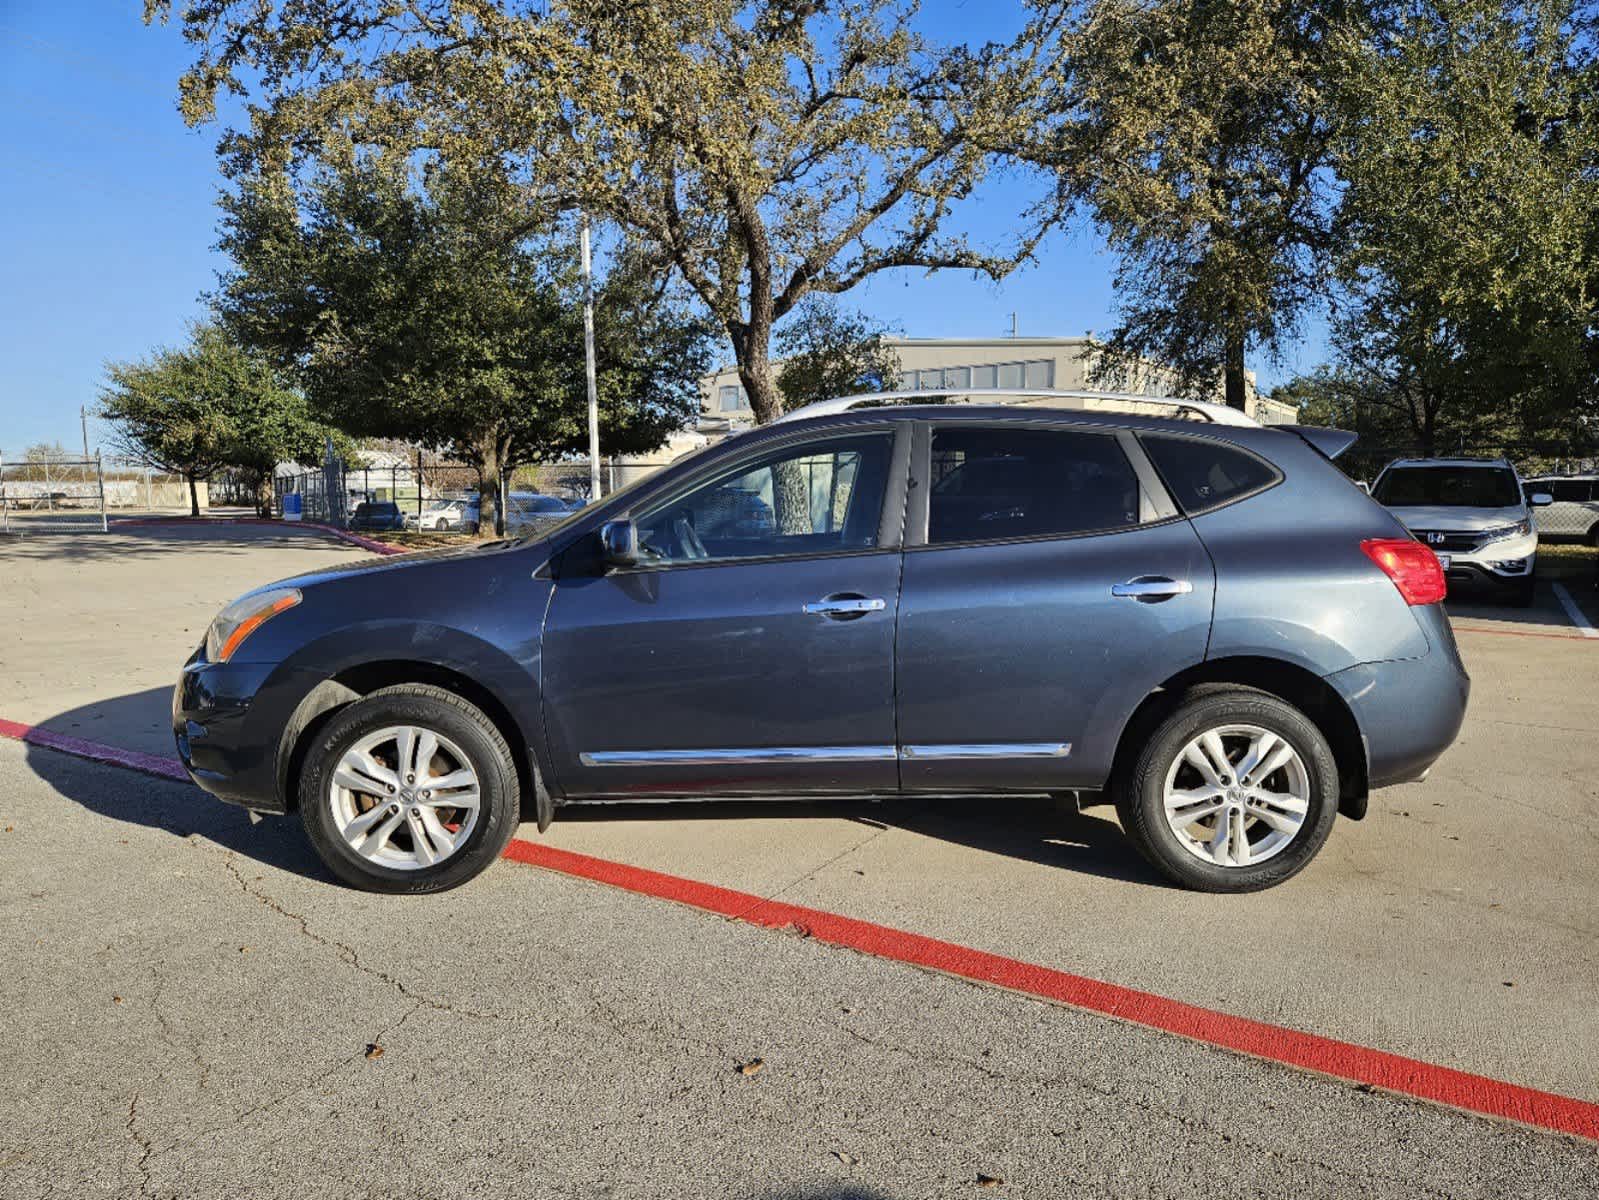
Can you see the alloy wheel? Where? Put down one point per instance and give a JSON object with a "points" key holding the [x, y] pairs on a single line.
{"points": [[405, 797], [1237, 795]]}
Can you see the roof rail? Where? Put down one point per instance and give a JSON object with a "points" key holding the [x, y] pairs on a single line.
{"points": [[1218, 414]]}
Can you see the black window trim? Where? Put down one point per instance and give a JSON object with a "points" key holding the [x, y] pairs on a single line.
{"points": [[1272, 468], [1153, 495], [890, 520]]}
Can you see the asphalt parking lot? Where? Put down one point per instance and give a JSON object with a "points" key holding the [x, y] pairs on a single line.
{"points": [[190, 1007]]}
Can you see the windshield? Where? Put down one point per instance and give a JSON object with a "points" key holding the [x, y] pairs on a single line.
{"points": [[1452, 487]]}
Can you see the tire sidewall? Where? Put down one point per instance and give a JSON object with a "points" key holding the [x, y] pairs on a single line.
{"points": [[471, 732], [1143, 805]]}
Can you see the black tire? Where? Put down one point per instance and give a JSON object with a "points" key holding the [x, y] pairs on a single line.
{"points": [[444, 713], [1140, 799]]}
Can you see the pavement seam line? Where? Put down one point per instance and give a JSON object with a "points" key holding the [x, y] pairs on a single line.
{"points": [[1330, 1057]]}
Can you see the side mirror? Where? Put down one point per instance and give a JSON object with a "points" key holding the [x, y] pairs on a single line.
{"points": [[619, 542], [1539, 499]]}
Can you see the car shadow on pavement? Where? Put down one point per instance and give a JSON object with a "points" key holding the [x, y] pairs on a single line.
{"points": [[1038, 829], [172, 806]]}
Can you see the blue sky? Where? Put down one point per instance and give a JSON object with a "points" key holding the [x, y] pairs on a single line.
{"points": [[110, 220]]}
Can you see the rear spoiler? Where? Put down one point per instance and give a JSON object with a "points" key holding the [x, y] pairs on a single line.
{"points": [[1330, 442]]}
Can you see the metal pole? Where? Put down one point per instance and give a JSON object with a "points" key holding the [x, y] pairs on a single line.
{"points": [[99, 472], [83, 416], [5, 507], [588, 366]]}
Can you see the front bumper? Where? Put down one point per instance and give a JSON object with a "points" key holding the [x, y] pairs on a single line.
{"points": [[225, 734], [1498, 562]]}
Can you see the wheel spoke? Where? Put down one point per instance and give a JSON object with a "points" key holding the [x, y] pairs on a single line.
{"points": [[1278, 758], [421, 848], [1238, 839], [441, 837], [427, 745], [1217, 753], [1258, 749], [465, 777], [1182, 820], [375, 841], [405, 750], [1195, 757], [357, 829], [1279, 822], [467, 799], [360, 772], [1282, 801]]}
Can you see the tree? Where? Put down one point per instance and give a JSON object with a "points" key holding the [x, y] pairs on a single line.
{"points": [[211, 404], [764, 151], [828, 351], [1471, 219], [436, 307], [1195, 133]]}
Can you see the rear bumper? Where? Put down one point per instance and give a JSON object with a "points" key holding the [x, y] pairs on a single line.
{"points": [[1409, 711], [227, 719]]}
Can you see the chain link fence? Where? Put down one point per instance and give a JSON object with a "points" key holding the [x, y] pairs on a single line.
{"points": [[52, 496], [441, 497]]}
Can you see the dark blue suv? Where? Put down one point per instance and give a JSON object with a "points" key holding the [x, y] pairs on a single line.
{"points": [[1202, 621]]}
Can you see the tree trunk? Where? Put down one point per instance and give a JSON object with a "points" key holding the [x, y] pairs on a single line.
{"points": [[495, 449], [263, 496], [752, 342], [194, 497], [1233, 372]]}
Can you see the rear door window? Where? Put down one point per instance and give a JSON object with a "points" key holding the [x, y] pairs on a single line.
{"points": [[989, 484], [1202, 474]]}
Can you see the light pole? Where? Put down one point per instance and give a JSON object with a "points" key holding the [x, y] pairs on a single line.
{"points": [[588, 366]]}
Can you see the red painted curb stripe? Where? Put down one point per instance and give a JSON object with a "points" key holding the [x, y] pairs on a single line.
{"points": [[1553, 637], [1259, 1039], [133, 760]]}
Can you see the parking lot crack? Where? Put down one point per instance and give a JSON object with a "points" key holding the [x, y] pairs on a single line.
{"points": [[348, 954], [878, 830], [145, 1148]]}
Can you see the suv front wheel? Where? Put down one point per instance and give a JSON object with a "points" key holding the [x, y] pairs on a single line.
{"points": [[1235, 791], [410, 789]]}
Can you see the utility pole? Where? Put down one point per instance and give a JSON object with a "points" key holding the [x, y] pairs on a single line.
{"points": [[588, 367], [83, 417], [1013, 324]]}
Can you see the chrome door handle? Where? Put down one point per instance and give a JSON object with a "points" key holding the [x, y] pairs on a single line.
{"points": [[1152, 587], [844, 606]]}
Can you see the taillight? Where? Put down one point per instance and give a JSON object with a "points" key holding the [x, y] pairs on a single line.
{"points": [[1414, 568]]}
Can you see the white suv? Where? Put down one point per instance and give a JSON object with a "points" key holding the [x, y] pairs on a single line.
{"points": [[1472, 513], [1575, 511]]}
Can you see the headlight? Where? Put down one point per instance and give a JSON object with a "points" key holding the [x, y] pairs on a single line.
{"points": [[1503, 532], [243, 617]]}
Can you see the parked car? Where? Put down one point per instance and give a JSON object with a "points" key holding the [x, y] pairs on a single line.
{"points": [[1473, 514], [377, 516], [523, 512], [1205, 623], [1573, 511]]}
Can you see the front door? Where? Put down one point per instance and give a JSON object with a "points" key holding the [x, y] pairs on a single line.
{"points": [[1049, 586], [753, 652]]}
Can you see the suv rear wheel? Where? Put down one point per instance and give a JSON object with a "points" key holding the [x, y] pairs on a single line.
{"points": [[1235, 791], [409, 789]]}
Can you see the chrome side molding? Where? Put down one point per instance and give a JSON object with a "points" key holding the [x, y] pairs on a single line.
{"points": [[799, 754], [989, 750], [718, 757]]}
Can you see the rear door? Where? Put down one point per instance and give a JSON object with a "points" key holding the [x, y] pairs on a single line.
{"points": [[1049, 585], [753, 653]]}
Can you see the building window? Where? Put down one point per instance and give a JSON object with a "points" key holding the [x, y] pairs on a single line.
{"points": [[731, 398], [1040, 373], [1010, 375], [958, 377], [985, 377]]}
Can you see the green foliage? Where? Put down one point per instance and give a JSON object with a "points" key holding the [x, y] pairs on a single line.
{"points": [[828, 351], [762, 151], [208, 405], [1466, 144], [438, 308], [1195, 134]]}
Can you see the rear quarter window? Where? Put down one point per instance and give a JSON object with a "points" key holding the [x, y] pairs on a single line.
{"points": [[1202, 474]]}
